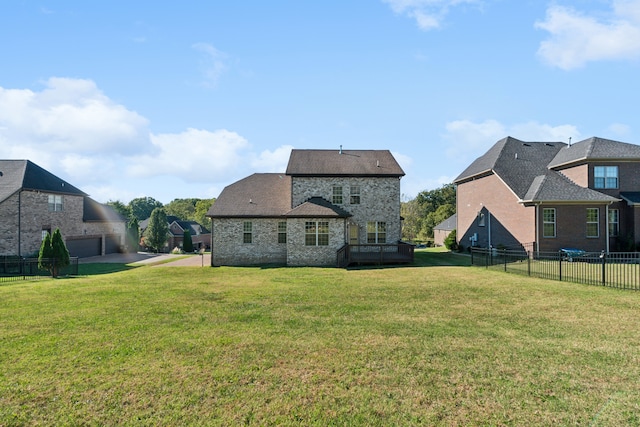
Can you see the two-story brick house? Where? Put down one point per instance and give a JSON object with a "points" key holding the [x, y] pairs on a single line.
{"points": [[552, 195], [324, 200], [33, 201]]}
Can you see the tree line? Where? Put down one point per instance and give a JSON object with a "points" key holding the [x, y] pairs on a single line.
{"points": [[425, 211]]}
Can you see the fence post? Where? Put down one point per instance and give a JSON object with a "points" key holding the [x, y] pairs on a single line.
{"points": [[504, 255], [560, 265], [528, 263], [603, 256]]}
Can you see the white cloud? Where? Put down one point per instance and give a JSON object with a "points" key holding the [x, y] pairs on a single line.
{"points": [[212, 64], [577, 38], [272, 161], [68, 115], [194, 156], [429, 14]]}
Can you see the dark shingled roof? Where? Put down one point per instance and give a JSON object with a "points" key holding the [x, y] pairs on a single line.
{"points": [[448, 224], [595, 149], [525, 168], [317, 207], [631, 197], [97, 212], [343, 163], [18, 175], [258, 195]]}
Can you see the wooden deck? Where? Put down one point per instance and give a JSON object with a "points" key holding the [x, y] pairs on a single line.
{"points": [[375, 254]]}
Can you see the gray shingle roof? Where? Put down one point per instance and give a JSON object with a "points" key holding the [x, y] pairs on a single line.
{"points": [[18, 175], [343, 163], [595, 149], [448, 224], [258, 195], [525, 168], [319, 208]]}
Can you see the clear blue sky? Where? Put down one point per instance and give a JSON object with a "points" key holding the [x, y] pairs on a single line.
{"points": [[127, 99]]}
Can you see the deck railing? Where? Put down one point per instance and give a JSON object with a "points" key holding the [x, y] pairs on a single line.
{"points": [[375, 254]]}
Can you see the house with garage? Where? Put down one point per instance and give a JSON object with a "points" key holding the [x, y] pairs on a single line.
{"points": [[33, 202], [550, 195], [327, 208], [200, 236]]}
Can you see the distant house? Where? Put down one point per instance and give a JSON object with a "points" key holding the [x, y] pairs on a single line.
{"points": [[200, 236], [33, 201], [442, 230], [551, 195], [326, 201]]}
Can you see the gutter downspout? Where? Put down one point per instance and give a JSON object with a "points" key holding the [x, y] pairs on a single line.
{"points": [[489, 228], [606, 210], [537, 248], [20, 223]]}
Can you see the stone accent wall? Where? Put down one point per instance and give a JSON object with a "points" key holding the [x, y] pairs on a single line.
{"points": [[34, 212], [379, 200], [298, 254], [9, 226], [228, 247]]}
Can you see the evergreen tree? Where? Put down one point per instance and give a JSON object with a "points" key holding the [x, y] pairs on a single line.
{"points": [[53, 254], [156, 233], [187, 243]]}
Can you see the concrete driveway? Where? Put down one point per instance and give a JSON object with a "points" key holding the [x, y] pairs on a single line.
{"points": [[142, 258]]}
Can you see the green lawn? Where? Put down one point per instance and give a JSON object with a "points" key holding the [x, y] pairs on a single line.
{"points": [[439, 343]]}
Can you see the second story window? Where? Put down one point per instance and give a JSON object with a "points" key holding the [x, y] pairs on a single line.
{"points": [[605, 177], [354, 195], [593, 222], [55, 203], [337, 195], [247, 232]]}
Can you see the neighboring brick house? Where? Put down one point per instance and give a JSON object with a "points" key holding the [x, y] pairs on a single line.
{"points": [[325, 200], [200, 236], [442, 230], [550, 195], [34, 201]]}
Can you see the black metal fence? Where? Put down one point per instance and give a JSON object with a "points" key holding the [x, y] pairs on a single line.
{"points": [[14, 268], [614, 269]]}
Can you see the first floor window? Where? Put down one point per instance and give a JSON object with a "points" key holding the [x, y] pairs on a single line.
{"points": [[354, 195], [282, 232], [614, 222], [549, 222], [45, 231], [376, 232], [316, 233], [55, 203], [337, 195], [247, 232], [593, 223]]}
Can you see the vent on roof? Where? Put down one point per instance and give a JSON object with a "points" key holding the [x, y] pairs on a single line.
{"points": [[1, 173], [569, 143], [526, 144], [340, 149], [548, 145]]}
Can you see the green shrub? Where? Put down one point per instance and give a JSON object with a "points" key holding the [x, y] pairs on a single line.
{"points": [[450, 241]]}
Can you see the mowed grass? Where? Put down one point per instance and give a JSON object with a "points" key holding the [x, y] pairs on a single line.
{"points": [[438, 343]]}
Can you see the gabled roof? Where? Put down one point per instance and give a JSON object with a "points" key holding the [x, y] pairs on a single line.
{"points": [[195, 228], [595, 149], [258, 195], [448, 224], [18, 175], [97, 212], [317, 207], [343, 163]]}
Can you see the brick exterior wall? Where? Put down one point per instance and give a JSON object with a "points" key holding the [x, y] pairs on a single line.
{"points": [[298, 254], [578, 174], [379, 200], [509, 222], [35, 216], [227, 245], [571, 229]]}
